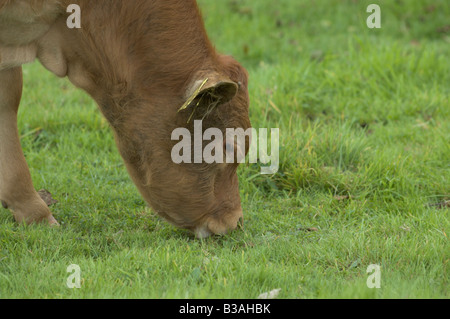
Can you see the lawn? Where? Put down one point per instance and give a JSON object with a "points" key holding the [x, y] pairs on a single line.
{"points": [[364, 176]]}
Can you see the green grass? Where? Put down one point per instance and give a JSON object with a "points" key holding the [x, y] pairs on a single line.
{"points": [[364, 118]]}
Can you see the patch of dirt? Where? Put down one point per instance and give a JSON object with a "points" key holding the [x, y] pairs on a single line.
{"points": [[47, 197]]}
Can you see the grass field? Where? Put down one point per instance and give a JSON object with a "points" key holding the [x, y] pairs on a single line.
{"points": [[364, 119]]}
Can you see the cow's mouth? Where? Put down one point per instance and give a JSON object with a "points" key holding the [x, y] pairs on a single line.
{"points": [[202, 232]]}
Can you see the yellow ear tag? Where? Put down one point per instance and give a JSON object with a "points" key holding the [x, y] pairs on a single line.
{"points": [[193, 96]]}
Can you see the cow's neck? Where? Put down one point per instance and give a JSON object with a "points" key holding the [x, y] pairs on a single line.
{"points": [[137, 50]]}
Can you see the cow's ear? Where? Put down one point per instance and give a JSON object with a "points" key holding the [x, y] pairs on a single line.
{"points": [[210, 91]]}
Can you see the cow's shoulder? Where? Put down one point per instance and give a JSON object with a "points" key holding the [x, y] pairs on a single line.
{"points": [[23, 25], [24, 21]]}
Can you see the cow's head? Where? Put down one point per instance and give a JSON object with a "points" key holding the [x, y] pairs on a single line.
{"points": [[202, 197]]}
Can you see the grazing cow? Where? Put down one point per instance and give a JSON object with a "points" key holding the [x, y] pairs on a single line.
{"points": [[140, 60]]}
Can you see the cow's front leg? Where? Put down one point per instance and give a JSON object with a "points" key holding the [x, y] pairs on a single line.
{"points": [[16, 188]]}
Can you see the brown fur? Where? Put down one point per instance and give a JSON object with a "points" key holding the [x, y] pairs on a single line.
{"points": [[138, 59]]}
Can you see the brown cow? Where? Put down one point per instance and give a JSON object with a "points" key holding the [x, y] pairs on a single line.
{"points": [[140, 60]]}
